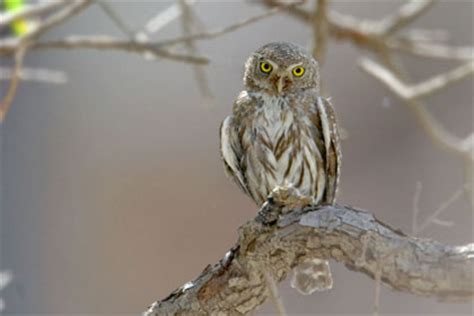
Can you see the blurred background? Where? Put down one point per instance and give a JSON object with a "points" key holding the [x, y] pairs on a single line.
{"points": [[113, 192]]}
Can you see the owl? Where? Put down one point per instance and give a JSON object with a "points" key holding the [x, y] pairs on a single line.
{"points": [[282, 133]]}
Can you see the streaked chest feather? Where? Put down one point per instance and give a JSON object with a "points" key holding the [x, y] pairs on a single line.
{"points": [[280, 148]]}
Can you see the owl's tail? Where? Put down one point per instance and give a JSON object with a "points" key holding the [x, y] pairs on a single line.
{"points": [[312, 275]]}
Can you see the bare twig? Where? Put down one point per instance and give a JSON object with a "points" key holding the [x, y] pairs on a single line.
{"points": [[433, 218], [419, 90], [137, 43], [7, 18], [5, 279], [432, 50], [73, 8], [187, 19], [236, 285], [406, 14], [438, 134], [424, 35], [274, 293], [15, 79], [111, 43], [295, 11], [377, 285], [369, 34], [163, 18], [115, 17], [320, 30], [230, 28], [35, 74]]}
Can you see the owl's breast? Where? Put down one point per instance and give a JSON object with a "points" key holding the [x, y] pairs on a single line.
{"points": [[280, 149]]}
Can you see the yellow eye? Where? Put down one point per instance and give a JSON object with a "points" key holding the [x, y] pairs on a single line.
{"points": [[265, 67], [298, 71]]}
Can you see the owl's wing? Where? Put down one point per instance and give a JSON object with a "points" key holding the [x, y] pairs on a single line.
{"points": [[231, 152], [327, 119]]}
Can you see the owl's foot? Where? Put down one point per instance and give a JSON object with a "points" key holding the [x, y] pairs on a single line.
{"points": [[282, 200], [289, 198]]}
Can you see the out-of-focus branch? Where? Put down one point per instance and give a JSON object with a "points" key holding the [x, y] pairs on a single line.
{"points": [[35, 74], [110, 11], [295, 11], [236, 285], [162, 19], [419, 90], [432, 50], [30, 11], [374, 34], [433, 218], [187, 21], [230, 28], [61, 11], [406, 14], [6, 102], [408, 94], [21, 45], [320, 30], [73, 8], [111, 43]]}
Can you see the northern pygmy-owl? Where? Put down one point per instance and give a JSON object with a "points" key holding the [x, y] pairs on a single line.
{"points": [[281, 133]]}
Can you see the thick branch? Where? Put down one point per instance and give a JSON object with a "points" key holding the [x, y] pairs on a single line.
{"points": [[236, 285]]}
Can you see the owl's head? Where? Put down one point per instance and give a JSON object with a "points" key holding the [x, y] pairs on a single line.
{"points": [[281, 68]]}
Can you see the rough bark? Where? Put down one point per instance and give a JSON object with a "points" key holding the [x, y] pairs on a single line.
{"points": [[277, 240]]}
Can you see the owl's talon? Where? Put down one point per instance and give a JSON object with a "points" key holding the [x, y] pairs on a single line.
{"points": [[289, 197], [268, 214]]}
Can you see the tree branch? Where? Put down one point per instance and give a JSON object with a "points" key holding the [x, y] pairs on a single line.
{"points": [[9, 17], [419, 90], [406, 14], [230, 28], [6, 102], [320, 30], [101, 42], [236, 284], [73, 8]]}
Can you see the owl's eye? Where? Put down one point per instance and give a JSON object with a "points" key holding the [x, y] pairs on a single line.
{"points": [[298, 71], [265, 67]]}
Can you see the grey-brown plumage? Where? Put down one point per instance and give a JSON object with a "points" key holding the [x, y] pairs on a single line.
{"points": [[275, 138], [282, 132]]}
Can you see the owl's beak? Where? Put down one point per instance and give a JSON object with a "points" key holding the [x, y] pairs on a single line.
{"points": [[279, 84]]}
